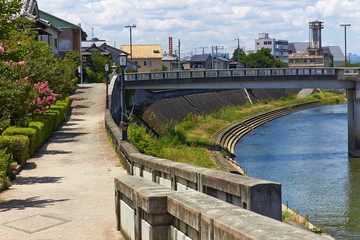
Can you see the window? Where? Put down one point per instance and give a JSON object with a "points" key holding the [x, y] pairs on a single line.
{"points": [[156, 51], [65, 44], [144, 63], [56, 43], [150, 63]]}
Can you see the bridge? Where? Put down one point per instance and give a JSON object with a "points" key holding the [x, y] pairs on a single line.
{"points": [[323, 78]]}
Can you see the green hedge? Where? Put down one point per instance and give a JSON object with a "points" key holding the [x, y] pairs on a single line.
{"points": [[55, 115], [29, 132], [40, 132], [18, 146], [5, 170], [48, 122]]}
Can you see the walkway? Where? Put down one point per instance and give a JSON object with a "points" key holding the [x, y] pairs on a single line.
{"points": [[67, 190]]}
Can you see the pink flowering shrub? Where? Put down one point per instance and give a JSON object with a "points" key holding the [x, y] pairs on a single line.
{"points": [[45, 98]]}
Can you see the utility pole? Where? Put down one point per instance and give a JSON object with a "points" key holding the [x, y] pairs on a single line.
{"points": [[212, 57], [203, 50], [81, 65], [239, 51], [179, 65], [216, 49], [92, 33], [345, 25], [131, 55]]}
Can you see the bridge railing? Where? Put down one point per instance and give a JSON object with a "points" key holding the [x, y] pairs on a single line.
{"points": [[236, 73]]}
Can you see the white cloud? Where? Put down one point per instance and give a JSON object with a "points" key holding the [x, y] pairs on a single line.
{"points": [[209, 22]]}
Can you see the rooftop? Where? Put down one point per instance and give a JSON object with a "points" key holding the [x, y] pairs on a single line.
{"points": [[144, 51]]}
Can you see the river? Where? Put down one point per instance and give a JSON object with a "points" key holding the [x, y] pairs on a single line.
{"points": [[307, 153]]}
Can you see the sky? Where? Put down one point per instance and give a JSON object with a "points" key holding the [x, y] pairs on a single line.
{"points": [[206, 23]]}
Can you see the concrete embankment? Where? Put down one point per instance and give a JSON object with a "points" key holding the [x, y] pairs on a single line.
{"points": [[162, 108]]}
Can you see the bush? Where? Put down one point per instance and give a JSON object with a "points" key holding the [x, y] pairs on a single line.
{"points": [[18, 146], [40, 132], [52, 116], [48, 122], [28, 132], [62, 113]]}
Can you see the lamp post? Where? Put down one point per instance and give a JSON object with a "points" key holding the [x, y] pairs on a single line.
{"points": [[123, 121], [107, 82], [131, 55], [345, 25]]}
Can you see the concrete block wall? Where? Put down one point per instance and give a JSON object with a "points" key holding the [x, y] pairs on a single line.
{"points": [[147, 211], [257, 195]]}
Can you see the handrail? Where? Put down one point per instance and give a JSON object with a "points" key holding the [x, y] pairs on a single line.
{"points": [[223, 73]]}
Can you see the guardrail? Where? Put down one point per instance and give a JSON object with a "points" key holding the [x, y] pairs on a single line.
{"points": [[238, 73], [146, 210]]}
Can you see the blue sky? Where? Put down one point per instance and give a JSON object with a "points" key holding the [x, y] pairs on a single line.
{"points": [[207, 23]]}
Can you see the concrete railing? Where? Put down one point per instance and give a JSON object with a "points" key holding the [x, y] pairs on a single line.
{"points": [[257, 195], [146, 210]]}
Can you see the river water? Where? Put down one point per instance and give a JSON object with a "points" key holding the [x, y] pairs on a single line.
{"points": [[307, 153]]}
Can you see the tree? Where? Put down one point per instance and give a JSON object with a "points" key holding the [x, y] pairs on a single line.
{"points": [[235, 56], [96, 70], [262, 59]]}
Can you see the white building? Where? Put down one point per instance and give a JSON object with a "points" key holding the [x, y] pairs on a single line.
{"points": [[278, 48]]}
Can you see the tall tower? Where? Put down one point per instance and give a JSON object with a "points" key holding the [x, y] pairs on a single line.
{"points": [[315, 37]]}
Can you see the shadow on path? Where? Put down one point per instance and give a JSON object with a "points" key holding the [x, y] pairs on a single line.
{"points": [[33, 180], [33, 202]]}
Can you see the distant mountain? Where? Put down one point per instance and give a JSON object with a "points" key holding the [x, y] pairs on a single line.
{"points": [[354, 58]]}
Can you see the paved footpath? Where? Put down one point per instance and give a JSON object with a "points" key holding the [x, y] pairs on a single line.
{"points": [[66, 191]]}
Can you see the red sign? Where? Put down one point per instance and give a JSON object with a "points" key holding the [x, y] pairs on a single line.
{"points": [[170, 46]]}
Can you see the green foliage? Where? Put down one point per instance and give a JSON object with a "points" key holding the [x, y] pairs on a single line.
{"points": [[285, 215], [30, 133], [18, 146], [40, 132], [164, 68], [262, 59], [96, 71], [7, 21], [235, 56], [5, 169], [142, 140]]}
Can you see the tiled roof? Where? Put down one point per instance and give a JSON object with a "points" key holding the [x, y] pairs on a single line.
{"points": [[144, 51], [57, 22], [199, 58]]}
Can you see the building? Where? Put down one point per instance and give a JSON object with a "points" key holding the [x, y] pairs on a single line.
{"points": [[69, 38], [221, 63], [47, 32], [171, 61], [147, 57], [300, 48], [315, 55], [105, 48], [203, 61], [278, 48]]}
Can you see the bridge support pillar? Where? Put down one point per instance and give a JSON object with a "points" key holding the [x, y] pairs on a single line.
{"points": [[353, 97]]}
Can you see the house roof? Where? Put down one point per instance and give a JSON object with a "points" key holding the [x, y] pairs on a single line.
{"points": [[169, 58], [200, 58], [94, 48], [144, 51], [57, 22]]}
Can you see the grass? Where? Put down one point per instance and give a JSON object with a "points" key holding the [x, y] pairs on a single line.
{"points": [[189, 140]]}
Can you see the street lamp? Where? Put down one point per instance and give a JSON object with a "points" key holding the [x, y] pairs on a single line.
{"points": [[345, 25], [123, 121], [107, 82], [131, 55]]}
